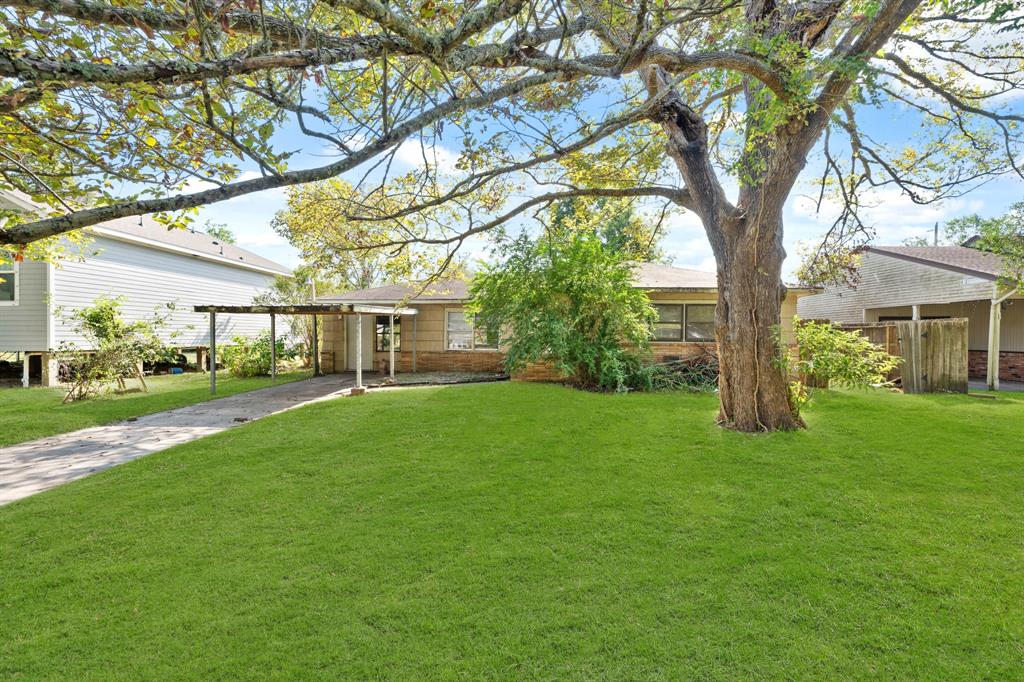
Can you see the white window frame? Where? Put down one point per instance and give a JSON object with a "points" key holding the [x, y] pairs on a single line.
{"points": [[472, 336], [15, 272], [684, 321]]}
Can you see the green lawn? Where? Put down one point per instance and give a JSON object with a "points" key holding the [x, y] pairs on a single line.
{"points": [[38, 412], [513, 531]]}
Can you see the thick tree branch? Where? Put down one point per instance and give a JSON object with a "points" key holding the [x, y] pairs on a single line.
{"points": [[48, 227], [680, 197]]}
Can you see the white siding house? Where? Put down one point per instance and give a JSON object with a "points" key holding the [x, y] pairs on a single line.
{"points": [[921, 282], [148, 267]]}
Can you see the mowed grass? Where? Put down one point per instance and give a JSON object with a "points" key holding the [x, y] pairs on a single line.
{"points": [[27, 414], [511, 531]]}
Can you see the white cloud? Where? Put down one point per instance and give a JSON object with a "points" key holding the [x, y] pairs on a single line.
{"points": [[412, 152]]}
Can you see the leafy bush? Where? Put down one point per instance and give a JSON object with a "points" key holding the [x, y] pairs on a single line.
{"points": [[251, 357], [843, 358], [118, 348], [566, 299]]}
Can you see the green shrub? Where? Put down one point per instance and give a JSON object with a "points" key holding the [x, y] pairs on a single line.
{"points": [[251, 357], [842, 358], [566, 298], [116, 349]]}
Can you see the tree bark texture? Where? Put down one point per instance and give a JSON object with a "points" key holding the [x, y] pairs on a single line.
{"points": [[753, 384], [747, 243]]}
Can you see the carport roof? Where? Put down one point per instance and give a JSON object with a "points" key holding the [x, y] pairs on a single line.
{"points": [[305, 309]]}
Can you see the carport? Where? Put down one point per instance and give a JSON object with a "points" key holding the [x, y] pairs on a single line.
{"points": [[314, 309]]}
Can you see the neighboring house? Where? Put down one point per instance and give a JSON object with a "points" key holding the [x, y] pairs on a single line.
{"points": [[141, 261], [440, 338], [925, 282]]}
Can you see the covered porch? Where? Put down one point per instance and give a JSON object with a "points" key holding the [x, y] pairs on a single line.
{"points": [[326, 311], [995, 332]]}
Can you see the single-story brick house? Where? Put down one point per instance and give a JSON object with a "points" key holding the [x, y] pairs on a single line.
{"points": [[440, 338], [929, 282]]}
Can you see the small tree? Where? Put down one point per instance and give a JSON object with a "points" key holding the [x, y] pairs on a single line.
{"points": [[568, 300], [118, 349], [251, 357], [842, 358], [299, 290]]}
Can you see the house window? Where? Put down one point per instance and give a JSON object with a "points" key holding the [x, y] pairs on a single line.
{"points": [[463, 334], [8, 283], [700, 323], [669, 326], [383, 333], [685, 322]]}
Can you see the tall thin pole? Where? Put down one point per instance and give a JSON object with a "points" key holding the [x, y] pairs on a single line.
{"points": [[213, 352], [359, 350], [273, 350], [414, 343], [391, 345], [316, 350]]}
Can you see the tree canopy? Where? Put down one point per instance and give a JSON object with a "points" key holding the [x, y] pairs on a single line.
{"points": [[120, 109]]}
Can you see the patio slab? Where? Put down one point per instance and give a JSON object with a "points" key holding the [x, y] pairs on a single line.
{"points": [[29, 468]]}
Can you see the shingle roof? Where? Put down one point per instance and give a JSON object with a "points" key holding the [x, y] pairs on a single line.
{"points": [[199, 243], [648, 276], [445, 290], [660, 276], [956, 258]]}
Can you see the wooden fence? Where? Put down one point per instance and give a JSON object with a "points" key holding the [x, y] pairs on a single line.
{"points": [[934, 352]]}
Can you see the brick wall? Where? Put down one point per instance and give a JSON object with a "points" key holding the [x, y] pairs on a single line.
{"points": [[442, 361], [1011, 365], [541, 372], [668, 351]]}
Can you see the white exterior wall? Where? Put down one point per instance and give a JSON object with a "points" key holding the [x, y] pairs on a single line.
{"points": [[148, 279], [23, 327], [887, 282], [889, 286]]}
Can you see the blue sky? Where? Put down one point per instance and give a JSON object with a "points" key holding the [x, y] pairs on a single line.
{"points": [[893, 216]]}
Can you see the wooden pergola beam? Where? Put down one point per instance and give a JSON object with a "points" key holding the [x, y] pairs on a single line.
{"points": [[317, 309], [304, 309]]}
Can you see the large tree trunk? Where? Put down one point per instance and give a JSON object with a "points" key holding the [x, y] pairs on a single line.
{"points": [[747, 242], [753, 386]]}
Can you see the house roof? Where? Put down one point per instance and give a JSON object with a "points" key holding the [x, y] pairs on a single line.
{"points": [[449, 290], [648, 276], [144, 230], [148, 231], [657, 276], [960, 259]]}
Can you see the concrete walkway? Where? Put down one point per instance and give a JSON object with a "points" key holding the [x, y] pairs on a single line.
{"points": [[29, 468], [1007, 386]]}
